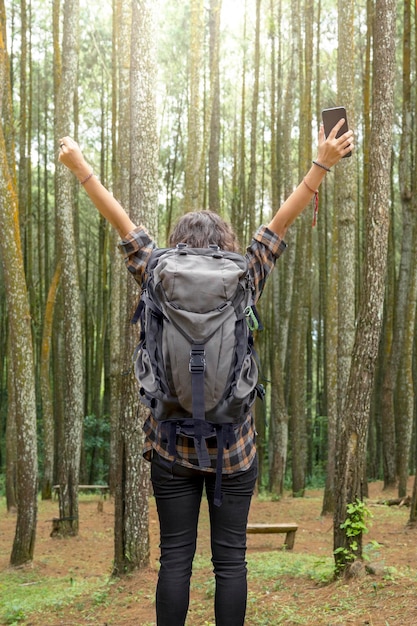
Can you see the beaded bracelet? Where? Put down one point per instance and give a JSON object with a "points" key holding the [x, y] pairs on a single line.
{"points": [[82, 182], [324, 167], [316, 201]]}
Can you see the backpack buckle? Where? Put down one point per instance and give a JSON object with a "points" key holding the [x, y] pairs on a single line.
{"points": [[197, 360]]}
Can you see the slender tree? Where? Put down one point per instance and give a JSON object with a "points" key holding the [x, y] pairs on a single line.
{"points": [[298, 406], [252, 180], [193, 165], [73, 378], [340, 299], [214, 148], [123, 25], [278, 431], [356, 408], [395, 412], [239, 152], [131, 524], [46, 391], [120, 165], [20, 344], [345, 189]]}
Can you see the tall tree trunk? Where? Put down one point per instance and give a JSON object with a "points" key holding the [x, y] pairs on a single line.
{"points": [[46, 392], [413, 508], [119, 164], [131, 525], [123, 20], [192, 166], [11, 437], [278, 431], [393, 449], [72, 377], [353, 433], [214, 148], [345, 194], [239, 155], [331, 337], [251, 197], [346, 197], [20, 343], [405, 385], [301, 294], [404, 405]]}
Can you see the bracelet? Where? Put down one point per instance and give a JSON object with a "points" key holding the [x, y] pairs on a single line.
{"points": [[324, 167], [316, 201], [82, 182]]}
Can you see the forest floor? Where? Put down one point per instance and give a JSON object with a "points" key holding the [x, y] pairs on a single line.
{"points": [[70, 583]]}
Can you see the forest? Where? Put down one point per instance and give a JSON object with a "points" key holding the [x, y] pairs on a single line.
{"points": [[200, 104]]}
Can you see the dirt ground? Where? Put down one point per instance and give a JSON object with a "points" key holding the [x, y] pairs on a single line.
{"points": [[380, 600]]}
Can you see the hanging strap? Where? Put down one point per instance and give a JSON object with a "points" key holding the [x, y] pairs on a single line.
{"points": [[226, 436], [200, 444], [219, 467], [199, 431]]}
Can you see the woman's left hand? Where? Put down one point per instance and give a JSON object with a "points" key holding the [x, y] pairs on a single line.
{"points": [[332, 149]]}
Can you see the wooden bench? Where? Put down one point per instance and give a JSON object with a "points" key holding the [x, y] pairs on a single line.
{"points": [[288, 529]]}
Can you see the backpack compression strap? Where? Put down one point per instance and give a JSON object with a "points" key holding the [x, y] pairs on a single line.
{"points": [[197, 368]]}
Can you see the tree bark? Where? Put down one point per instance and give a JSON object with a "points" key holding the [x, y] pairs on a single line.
{"points": [[131, 525], [46, 392], [353, 432], [21, 350], [331, 341], [73, 375], [192, 166], [214, 147], [345, 189]]}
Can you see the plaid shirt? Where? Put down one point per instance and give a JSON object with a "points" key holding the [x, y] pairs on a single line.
{"points": [[265, 249]]}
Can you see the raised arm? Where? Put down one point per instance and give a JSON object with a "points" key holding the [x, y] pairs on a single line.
{"points": [[330, 151], [71, 156]]}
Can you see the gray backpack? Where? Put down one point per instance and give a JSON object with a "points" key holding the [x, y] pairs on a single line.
{"points": [[195, 362]]}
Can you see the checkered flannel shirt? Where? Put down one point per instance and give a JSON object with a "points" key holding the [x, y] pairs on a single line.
{"points": [[266, 247]]}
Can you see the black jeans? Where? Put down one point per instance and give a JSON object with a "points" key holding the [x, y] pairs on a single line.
{"points": [[178, 492]]}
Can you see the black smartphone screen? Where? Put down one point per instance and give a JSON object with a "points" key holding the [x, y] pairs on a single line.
{"points": [[330, 119]]}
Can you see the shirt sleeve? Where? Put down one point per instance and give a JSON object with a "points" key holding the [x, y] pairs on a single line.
{"points": [[136, 248], [262, 254]]}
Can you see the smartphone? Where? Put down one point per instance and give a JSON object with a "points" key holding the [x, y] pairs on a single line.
{"points": [[330, 119]]}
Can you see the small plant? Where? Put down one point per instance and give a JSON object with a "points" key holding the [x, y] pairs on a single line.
{"points": [[358, 515], [355, 525], [14, 614], [371, 550]]}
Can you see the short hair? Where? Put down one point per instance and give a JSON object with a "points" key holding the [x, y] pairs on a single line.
{"points": [[200, 229]]}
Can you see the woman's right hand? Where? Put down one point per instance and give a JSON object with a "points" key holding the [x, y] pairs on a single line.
{"points": [[72, 157]]}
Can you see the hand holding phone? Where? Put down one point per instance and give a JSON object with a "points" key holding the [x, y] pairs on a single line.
{"points": [[331, 117]]}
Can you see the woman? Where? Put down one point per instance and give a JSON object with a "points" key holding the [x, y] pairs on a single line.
{"points": [[177, 482]]}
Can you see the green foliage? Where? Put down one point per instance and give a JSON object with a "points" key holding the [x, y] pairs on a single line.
{"points": [[355, 525], [96, 447], [357, 516], [14, 614], [23, 592], [279, 564]]}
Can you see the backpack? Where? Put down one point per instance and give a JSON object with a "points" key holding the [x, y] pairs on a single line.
{"points": [[195, 361]]}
